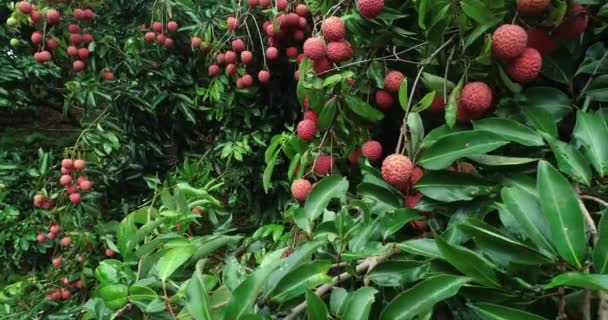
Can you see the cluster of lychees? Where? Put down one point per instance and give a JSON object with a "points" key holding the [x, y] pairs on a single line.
{"points": [[64, 293], [159, 34], [73, 188], [44, 46], [78, 50], [336, 50], [392, 81]]}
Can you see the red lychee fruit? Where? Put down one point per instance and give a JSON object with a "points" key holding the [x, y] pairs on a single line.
{"points": [[437, 105], [51, 44], [161, 39], [532, 7], [65, 294], [108, 75], [419, 225], [168, 43], [75, 38], [197, 210], [417, 174], [338, 51], [80, 164], [475, 100], [540, 40], [51, 236], [65, 180], [322, 65], [264, 76], [230, 57], [232, 23], [66, 241], [55, 229], [300, 58], [264, 3], [85, 185], [41, 238], [314, 48], [324, 165], [302, 10], [89, 14], [396, 170], [24, 7], [71, 188], [36, 16], [509, 41], [311, 115], [238, 45], [272, 53], [149, 37], [296, 75], [57, 262], [307, 129], [298, 35], [412, 200], [230, 70], [157, 27], [300, 189], [67, 163], [196, 42], [253, 3], [83, 53], [333, 29], [78, 14], [575, 23], [64, 170], [38, 199], [269, 29], [36, 37], [370, 8], [75, 198], [288, 20], [74, 28], [247, 80], [87, 38], [43, 56], [526, 67], [52, 16], [392, 81], [282, 5], [220, 59], [354, 158], [372, 150], [214, 70], [384, 100], [172, 26], [291, 52], [246, 57], [109, 252]]}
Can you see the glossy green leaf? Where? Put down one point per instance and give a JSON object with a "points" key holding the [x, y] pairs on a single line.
{"points": [[363, 109], [337, 300], [458, 145], [197, 298], [403, 95], [359, 305], [541, 120], [244, 297], [316, 308], [436, 134], [554, 101], [423, 247], [469, 263], [306, 276], [327, 114], [448, 186], [561, 209], [397, 273], [511, 130], [452, 104], [491, 160], [600, 253], [394, 221], [487, 311], [593, 134], [173, 259], [331, 187], [570, 160], [580, 280], [421, 298]]}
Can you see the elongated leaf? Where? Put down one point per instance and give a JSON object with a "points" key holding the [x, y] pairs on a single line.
{"points": [[459, 145], [490, 160], [453, 186], [304, 277], [600, 253], [421, 298], [244, 297], [551, 100], [359, 304], [173, 259], [317, 310], [569, 160], [363, 109], [398, 273], [328, 188], [197, 301], [593, 134], [541, 119], [393, 222], [327, 114], [580, 280], [510, 130], [561, 209], [337, 300], [452, 105], [438, 133], [469, 263], [488, 311], [423, 247]]}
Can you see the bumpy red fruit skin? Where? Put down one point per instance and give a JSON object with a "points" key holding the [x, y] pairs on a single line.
{"points": [[314, 48], [55, 229], [509, 41], [300, 189], [291, 52], [575, 23], [172, 26], [246, 57], [75, 198], [196, 42], [230, 57], [302, 10], [264, 76], [354, 158], [65, 180], [412, 200], [372, 150], [370, 8], [264, 3], [526, 67], [311, 115], [540, 40], [396, 170], [417, 174], [253, 3], [324, 165], [238, 45], [392, 81], [108, 76], [532, 7], [214, 70], [321, 65], [437, 105], [333, 29], [307, 129], [476, 98], [338, 51], [272, 53], [247, 80], [384, 100], [149, 37], [232, 23], [230, 70], [25, 7], [80, 164]]}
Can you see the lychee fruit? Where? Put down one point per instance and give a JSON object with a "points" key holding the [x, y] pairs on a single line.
{"points": [[36, 16], [220, 59], [322, 65], [66, 241], [311, 115], [314, 48], [230, 57], [302, 10], [412, 200], [264, 3], [475, 100], [354, 158], [71, 188], [67, 163], [417, 174], [89, 14], [51, 236], [196, 42], [157, 26], [85, 185], [384, 100], [282, 5], [232, 23], [333, 29], [291, 52], [74, 28], [42, 56], [575, 23], [419, 225], [168, 43], [65, 294], [247, 80], [306, 129], [300, 189], [230, 70], [65, 180], [437, 105], [75, 38], [197, 210], [78, 14], [372, 150], [324, 165], [370, 8], [253, 3], [392, 81], [246, 57], [338, 51], [108, 75], [83, 53], [296, 75], [509, 41], [396, 170], [172, 26], [109, 252], [149, 37], [238, 45], [41, 238], [272, 53], [75, 198], [80, 164], [526, 67], [78, 65], [55, 229], [36, 37], [540, 40], [214, 70], [51, 44], [57, 262], [24, 7], [264, 76], [532, 7], [52, 16]]}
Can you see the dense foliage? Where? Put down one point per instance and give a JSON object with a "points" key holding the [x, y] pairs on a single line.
{"points": [[354, 159]]}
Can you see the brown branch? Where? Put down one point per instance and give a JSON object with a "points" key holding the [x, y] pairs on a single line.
{"points": [[592, 198]]}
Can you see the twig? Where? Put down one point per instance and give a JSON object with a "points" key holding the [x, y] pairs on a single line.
{"points": [[596, 199], [589, 221], [120, 311], [367, 265]]}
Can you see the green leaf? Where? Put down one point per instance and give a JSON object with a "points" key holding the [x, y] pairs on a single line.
{"points": [[511, 130], [317, 310], [477, 10], [380, 200], [458, 145], [403, 95], [141, 296], [245, 295], [269, 170], [554, 101], [421, 298], [570, 160], [398, 273], [580, 280], [416, 130], [306, 276], [561, 209], [491, 160], [197, 299], [595, 59], [600, 253], [425, 102], [487, 311], [469, 263], [359, 304], [499, 247], [438, 133], [173, 259], [598, 89], [593, 134], [541, 120], [363, 108], [452, 105], [330, 187], [327, 114], [394, 221], [337, 300], [115, 296], [436, 83], [422, 247], [449, 186]]}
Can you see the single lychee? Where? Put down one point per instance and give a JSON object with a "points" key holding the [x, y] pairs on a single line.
{"points": [[24, 7], [80, 164], [65, 241], [55, 228], [230, 70], [354, 157], [437, 105], [238, 45], [314, 48], [307, 129], [302, 10], [36, 37], [78, 14], [264, 76], [372, 150], [526, 67], [83, 53], [509, 41], [272, 53], [67, 163], [247, 80], [109, 252], [333, 29], [311, 115], [412, 200], [36, 16], [324, 165], [232, 23], [532, 7], [65, 294], [321, 65], [89, 14], [108, 75], [52, 16], [172, 26], [71, 188], [282, 5], [51, 44], [384, 100], [57, 262], [370, 8], [51, 236], [575, 23], [246, 57], [392, 81], [41, 237], [230, 57], [196, 42], [540, 40], [168, 43], [149, 37], [220, 59], [75, 198], [65, 180], [157, 26], [291, 52], [417, 174], [396, 170], [338, 51], [87, 38], [296, 75], [85, 185], [75, 38], [42, 56], [300, 189], [475, 100], [74, 28]]}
